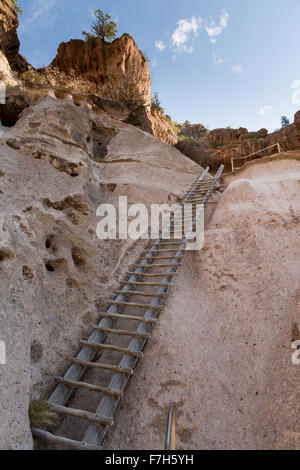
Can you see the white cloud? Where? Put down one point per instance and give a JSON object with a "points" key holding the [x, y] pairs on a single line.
{"points": [[296, 93], [265, 109], [40, 9], [213, 31], [154, 63], [218, 60], [186, 30], [160, 45], [238, 69], [296, 84]]}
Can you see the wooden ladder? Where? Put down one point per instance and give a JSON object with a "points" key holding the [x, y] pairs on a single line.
{"points": [[98, 375]]}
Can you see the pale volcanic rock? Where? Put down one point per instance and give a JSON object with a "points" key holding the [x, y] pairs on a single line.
{"points": [[58, 164], [222, 353]]}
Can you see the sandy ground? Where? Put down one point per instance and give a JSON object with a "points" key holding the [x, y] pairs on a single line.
{"points": [[222, 351]]}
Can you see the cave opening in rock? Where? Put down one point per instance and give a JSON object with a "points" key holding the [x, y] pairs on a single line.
{"points": [[50, 267], [10, 111]]}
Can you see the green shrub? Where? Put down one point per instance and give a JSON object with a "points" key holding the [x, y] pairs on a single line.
{"points": [[216, 144], [145, 57], [32, 79], [134, 119], [174, 127], [16, 7], [156, 103], [40, 415], [193, 141]]}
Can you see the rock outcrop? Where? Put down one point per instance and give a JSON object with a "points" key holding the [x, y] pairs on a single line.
{"points": [[151, 119], [117, 76], [118, 69], [221, 145], [59, 162], [9, 40]]}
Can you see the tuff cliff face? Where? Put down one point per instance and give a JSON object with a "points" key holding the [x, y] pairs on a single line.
{"points": [[117, 74], [152, 120], [118, 69], [59, 162], [9, 40], [222, 352], [221, 145]]}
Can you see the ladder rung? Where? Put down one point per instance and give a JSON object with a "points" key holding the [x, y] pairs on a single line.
{"points": [[158, 265], [156, 258], [161, 251], [110, 347], [151, 275], [155, 284], [97, 365], [120, 316], [122, 332], [137, 305], [93, 418], [91, 387], [166, 243], [142, 294], [196, 193], [58, 440]]}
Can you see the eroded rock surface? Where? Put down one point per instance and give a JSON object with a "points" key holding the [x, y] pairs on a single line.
{"points": [[118, 69], [57, 164], [224, 357], [9, 40], [117, 76]]}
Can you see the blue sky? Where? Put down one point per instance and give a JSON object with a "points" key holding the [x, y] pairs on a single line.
{"points": [[217, 62]]}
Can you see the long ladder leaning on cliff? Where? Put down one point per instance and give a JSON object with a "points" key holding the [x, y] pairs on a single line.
{"points": [[119, 345]]}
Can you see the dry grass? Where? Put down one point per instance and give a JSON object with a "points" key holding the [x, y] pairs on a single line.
{"points": [[41, 416]]}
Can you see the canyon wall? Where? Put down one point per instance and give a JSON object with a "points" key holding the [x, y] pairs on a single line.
{"points": [[221, 145], [58, 163]]}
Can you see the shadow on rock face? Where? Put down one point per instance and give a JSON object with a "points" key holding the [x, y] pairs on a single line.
{"points": [[10, 111], [101, 137]]}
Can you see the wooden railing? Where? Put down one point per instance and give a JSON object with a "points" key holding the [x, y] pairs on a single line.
{"points": [[244, 159]]}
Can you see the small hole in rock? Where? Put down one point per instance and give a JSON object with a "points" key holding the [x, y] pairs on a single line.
{"points": [[49, 241], [27, 272], [50, 267]]}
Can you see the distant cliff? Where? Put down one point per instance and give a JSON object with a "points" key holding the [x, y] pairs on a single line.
{"points": [[221, 145]]}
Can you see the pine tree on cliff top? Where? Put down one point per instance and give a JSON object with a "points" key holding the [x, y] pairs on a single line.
{"points": [[284, 121], [102, 27]]}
